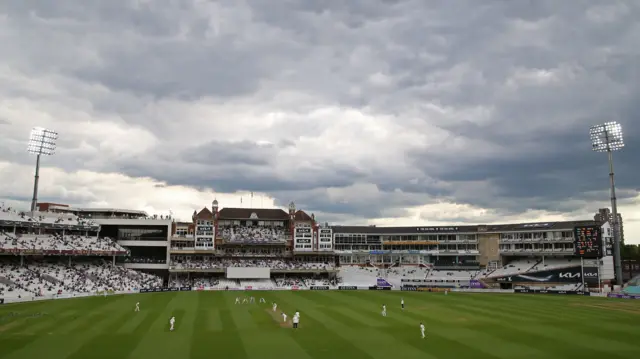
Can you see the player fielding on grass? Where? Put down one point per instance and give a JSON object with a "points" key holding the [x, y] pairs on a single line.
{"points": [[137, 307], [262, 300], [275, 306], [422, 331], [172, 322], [384, 310], [402, 303], [237, 300], [284, 317]]}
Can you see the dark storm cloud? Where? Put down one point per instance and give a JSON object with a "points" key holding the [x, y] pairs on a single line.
{"points": [[512, 86]]}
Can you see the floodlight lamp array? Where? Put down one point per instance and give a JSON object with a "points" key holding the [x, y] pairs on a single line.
{"points": [[607, 137], [42, 141]]}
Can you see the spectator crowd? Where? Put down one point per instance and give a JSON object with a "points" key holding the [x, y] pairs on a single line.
{"points": [[49, 277], [252, 234], [221, 263], [57, 241]]}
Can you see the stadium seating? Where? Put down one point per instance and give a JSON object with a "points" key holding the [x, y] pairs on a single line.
{"points": [[514, 267], [358, 276], [290, 282], [633, 286], [253, 252], [252, 234], [257, 283], [452, 274], [395, 275], [38, 278], [218, 263], [9, 214], [555, 263], [9, 241]]}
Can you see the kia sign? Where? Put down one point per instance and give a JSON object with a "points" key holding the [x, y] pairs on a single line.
{"points": [[563, 275]]}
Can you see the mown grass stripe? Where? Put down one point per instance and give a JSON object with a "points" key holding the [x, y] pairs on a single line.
{"points": [[112, 343], [159, 341], [233, 347], [335, 325], [316, 336], [57, 344], [365, 340]]}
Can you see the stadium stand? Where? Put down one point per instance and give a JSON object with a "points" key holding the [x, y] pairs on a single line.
{"points": [[632, 286], [358, 276], [48, 253], [514, 267], [252, 234], [39, 278], [554, 263], [221, 263], [395, 275], [54, 252], [452, 274]]}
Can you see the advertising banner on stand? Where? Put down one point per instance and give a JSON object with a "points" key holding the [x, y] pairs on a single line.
{"points": [[560, 275]]}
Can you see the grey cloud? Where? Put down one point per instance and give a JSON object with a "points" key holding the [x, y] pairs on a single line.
{"points": [[363, 201], [515, 139], [218, 152]]}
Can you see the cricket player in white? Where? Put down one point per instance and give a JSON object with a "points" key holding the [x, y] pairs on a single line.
{"points": [[237, 300], [172, 322], [384, 310], [275, 307], [252, 300], [244, 300], [284, 317], [297, 314], [137, 307], [446, 292], [262, 300], [422, 330], [296, 320], [402, 303]]}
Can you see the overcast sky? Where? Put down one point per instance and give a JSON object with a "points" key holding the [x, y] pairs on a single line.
{"points": [[361, 111]]}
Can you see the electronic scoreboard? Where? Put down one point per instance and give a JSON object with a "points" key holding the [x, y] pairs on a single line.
{"points": [[587, 241]]}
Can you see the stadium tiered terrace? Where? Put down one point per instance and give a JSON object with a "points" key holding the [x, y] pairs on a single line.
{"points": [[93, 250], [79, 257]]}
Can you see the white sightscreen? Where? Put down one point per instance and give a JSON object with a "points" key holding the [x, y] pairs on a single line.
{"points": [[248, 273]]}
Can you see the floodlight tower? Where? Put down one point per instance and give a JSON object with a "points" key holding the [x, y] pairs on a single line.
{"points": [[608, 138], [41, 142]]}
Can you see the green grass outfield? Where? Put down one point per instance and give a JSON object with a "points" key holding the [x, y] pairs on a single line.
{"points": [[334, 324]]}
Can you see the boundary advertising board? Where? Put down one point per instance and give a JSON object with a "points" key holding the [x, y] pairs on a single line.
{"points": [[158, 290], [544, 291]]}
